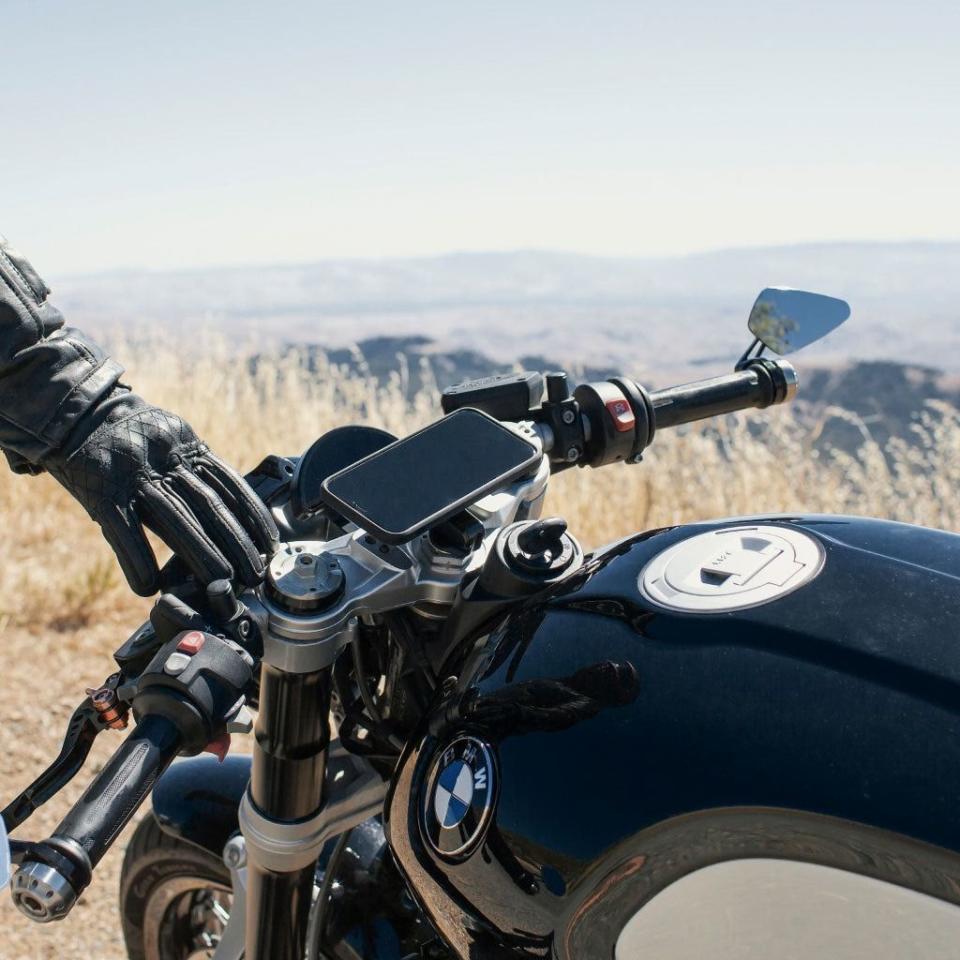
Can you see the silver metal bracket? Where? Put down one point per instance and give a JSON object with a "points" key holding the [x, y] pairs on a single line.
{"points": [[307, 655], [371, 578], [374, 582], [231, 945], [354, 793]]}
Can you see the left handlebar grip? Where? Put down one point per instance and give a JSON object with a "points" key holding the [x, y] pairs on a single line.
{"points": [[46, 887]]}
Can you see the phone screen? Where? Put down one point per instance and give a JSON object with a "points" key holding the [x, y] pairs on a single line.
{"points": [[413, 484]]}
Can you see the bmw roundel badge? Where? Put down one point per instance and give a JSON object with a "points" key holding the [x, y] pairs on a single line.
{"points": [[459, 797]]}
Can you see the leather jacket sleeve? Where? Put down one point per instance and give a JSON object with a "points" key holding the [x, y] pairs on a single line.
{"points": [[50, 375]]}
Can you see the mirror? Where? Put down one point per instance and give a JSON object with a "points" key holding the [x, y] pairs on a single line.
{"points": [[785, 320]]}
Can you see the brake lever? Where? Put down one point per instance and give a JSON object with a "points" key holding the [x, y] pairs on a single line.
{"points": [[101, 709]]}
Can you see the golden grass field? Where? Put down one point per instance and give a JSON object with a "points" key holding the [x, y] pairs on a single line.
{"points": [[64, 606], [56, 573]]}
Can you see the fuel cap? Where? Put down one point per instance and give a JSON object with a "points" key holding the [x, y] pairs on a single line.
{"points": [[732, 569]]}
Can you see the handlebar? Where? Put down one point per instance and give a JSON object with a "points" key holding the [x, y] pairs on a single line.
{"points": [[762, 383], [184, 700], [616, 419], [116, 793], [47, 887]]}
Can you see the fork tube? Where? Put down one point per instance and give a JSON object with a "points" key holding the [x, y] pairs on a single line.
{"points": [[289, 762]]}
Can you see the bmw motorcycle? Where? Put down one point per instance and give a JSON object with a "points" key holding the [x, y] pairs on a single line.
{"points": [[473, 739]]}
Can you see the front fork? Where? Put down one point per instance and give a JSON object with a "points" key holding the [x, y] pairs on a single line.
{"points": [[282, 812], [301, 793]]}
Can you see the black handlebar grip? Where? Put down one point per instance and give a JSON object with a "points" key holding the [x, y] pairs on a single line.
{"points": [[762, 383], [116, 793], [184, 699], [47, 886]]}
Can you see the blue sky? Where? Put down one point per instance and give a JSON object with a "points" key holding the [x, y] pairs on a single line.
{"points": [[207, 132]]}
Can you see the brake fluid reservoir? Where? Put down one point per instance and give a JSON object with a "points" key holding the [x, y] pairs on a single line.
{"points": [[732, 569]]}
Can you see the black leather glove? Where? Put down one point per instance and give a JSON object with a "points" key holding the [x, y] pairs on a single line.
{"points": [[128, 463], [131, 464], [51, 376]]}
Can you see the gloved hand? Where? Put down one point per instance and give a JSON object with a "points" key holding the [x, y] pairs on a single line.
{"points": [[131, 464]]}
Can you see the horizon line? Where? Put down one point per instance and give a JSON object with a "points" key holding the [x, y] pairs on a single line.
{"points": [[505, 252]]}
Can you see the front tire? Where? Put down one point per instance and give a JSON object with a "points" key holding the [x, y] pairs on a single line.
{"points": [[175, 898]]}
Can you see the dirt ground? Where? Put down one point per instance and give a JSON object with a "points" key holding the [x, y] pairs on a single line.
{"points": [[42, 679]]}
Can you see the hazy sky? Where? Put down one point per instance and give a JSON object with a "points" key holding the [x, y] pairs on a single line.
{"points": [[206, 132]]}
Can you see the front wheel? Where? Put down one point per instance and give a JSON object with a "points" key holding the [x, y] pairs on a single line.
{"points": [[175, 898]]}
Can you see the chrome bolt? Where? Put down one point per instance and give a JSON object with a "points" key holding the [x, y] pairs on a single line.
{"points": [[569, 416], [573, 454], [235, 853]]}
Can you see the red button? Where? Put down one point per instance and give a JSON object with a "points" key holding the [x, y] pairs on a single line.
{"points": [[622, 413], [191, 642]]}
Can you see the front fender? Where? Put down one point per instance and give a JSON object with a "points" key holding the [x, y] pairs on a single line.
{"points": [[197, 800]]}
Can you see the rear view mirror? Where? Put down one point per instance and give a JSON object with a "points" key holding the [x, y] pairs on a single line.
{"points": [[785, 320]]}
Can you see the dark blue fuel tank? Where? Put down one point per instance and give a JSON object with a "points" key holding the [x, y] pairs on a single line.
{"points": [[598, 745]]}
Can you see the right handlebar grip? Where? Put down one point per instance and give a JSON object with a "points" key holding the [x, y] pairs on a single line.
{"points": [[47, 890], [761, 384]]}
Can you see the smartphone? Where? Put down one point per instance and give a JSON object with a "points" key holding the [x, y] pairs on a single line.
{"points": [[415, 483]]}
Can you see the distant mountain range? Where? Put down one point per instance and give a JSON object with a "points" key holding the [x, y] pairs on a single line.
{"points": [[654, 318]]}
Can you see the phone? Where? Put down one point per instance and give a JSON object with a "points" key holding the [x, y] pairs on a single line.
{"points": [[409, 486]]}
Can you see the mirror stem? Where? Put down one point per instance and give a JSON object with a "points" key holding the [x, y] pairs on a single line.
{"points": [[746, 358]]}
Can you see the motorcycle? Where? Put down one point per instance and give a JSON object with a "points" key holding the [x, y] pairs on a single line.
{"points": [[473, 739]]}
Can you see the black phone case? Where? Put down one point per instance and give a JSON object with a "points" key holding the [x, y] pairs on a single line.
{"points": [[339, 502]]}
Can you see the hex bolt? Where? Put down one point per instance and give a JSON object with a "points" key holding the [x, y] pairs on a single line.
{"points": [[573, 454], [569, 416], [235, 853]]}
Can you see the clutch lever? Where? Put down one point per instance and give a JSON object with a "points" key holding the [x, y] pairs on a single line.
{"points": [[101, 709]]}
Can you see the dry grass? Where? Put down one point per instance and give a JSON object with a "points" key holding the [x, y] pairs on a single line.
{"points": [[57, 574]]}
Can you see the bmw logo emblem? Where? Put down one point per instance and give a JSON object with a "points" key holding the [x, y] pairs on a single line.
{"points": [[459, 797]]}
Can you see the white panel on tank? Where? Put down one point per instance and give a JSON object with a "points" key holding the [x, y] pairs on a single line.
{"points": [[732, 568], [781, 910]]}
